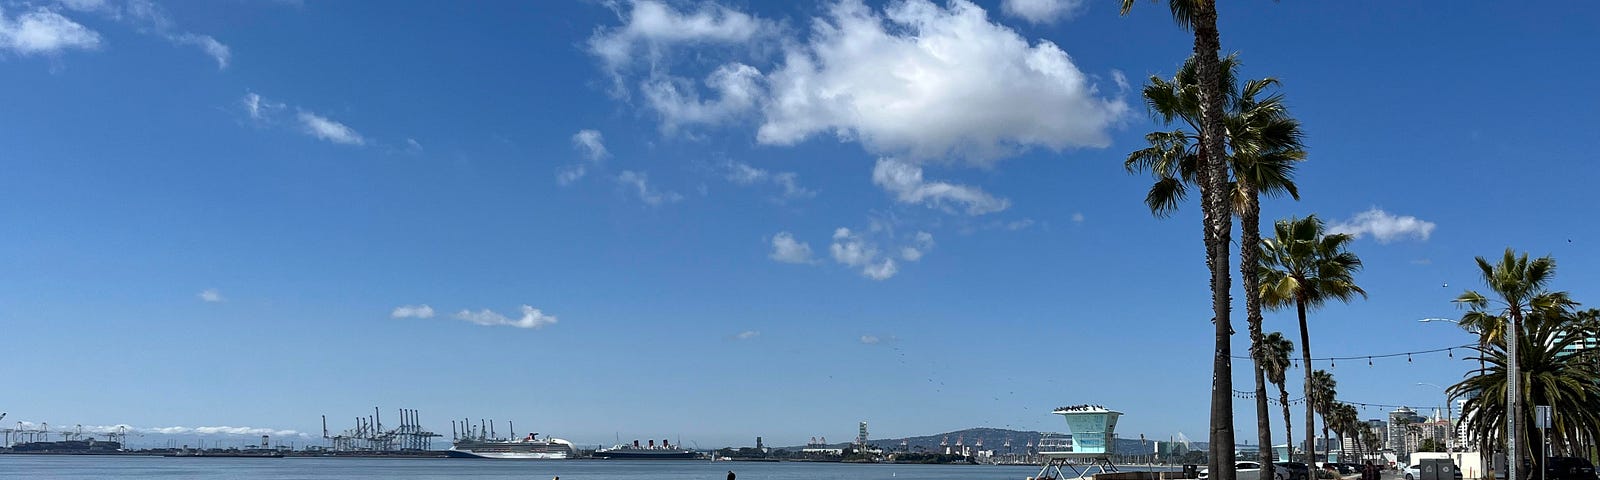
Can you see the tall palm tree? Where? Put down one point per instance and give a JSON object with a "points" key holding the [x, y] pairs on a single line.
{"points": [[1519, 288], [1263, 144], [1323, 388], [1305, 267], [1273, 354], [1200, 17]]}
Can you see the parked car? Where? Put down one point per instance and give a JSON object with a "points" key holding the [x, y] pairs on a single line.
{"points": [[1247, 471], [1569, 468], [1291, 471]]}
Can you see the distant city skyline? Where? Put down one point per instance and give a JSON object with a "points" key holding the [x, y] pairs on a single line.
{"points": [[720, 220]]}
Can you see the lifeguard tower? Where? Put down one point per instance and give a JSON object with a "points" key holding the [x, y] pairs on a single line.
{"points": [[1093, 429]]}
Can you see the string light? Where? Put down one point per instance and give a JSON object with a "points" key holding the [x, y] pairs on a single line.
{"points": [[1448, 350]]}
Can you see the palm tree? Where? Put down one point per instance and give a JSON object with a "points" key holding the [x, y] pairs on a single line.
{"points": [[1200, 17], [1323, 389], [1263, 144], [1305, 267], [1347, 424], [1273, 355], [1518, 327]]}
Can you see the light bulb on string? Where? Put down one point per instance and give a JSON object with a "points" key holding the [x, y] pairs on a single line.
{"points": [[1451, 353], [1369, 361], [1408, 358]]}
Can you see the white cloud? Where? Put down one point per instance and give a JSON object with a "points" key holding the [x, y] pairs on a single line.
{"points": [[921, 244], [789, 182], [413, 146], [880, 270], [905, 181], [211, 46], [932, 82], [1042, 11], [871, 339], [44, 32], [788, 250], [330, 130], [531, 318], [592, 145], [851, 249], [746, 335], [412, 311], [675, 100], [86, 5], [259, 107], [1077, 217], [1383, 226], [652, 26], [639, 183], [211, 295]]}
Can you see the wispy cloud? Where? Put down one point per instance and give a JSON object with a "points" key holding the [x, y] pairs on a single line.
{"points": [[639, 184], [788, 182], [531, 318], [211, 295], [219, 52], [788, 250], [1384, 227], [327, 129], [412, 311], [746, 335], [44, 32], [591, 144], [920, 245], [1042, 11], [905, 181]]}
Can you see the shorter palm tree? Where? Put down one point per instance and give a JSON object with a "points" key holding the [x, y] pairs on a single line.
{"points": [[1274, 352], [1323, 389]]}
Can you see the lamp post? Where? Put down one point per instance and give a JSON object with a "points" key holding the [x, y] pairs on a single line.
{"points": [[1450, 414], [1483, 463]]}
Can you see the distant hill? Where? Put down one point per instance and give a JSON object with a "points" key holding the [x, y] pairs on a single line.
{"points": [[994, 439]]}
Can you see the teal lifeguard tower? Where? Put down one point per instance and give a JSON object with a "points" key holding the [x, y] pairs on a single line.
{"points": [[1093, 429]]}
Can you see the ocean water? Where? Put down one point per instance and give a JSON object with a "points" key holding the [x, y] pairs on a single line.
{"points": [[98, 467]]}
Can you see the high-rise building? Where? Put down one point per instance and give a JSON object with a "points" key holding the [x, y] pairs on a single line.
{"points": [[861, 437], [1397, 438]]}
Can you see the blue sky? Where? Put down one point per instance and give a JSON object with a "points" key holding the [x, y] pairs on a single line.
{"points": [[724, 220]]}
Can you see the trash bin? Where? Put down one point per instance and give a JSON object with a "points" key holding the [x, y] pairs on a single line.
{"points": [[1191, 470], [1436, 469]]}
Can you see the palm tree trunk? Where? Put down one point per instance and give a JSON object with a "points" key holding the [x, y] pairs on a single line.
{"points": [[1207, 43], [1288, 426], [1311, 399], [1249, 253]]}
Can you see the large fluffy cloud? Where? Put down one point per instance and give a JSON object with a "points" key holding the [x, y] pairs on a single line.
{"points": [[1384, 226], [44, 32], [905, 181], [928, 82]]}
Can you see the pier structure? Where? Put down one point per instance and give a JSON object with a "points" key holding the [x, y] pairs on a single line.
{"points": [[368, 434], [1093, 430]]}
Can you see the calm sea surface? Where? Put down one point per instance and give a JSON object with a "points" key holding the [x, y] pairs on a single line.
{"points": [[91, 467]]}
